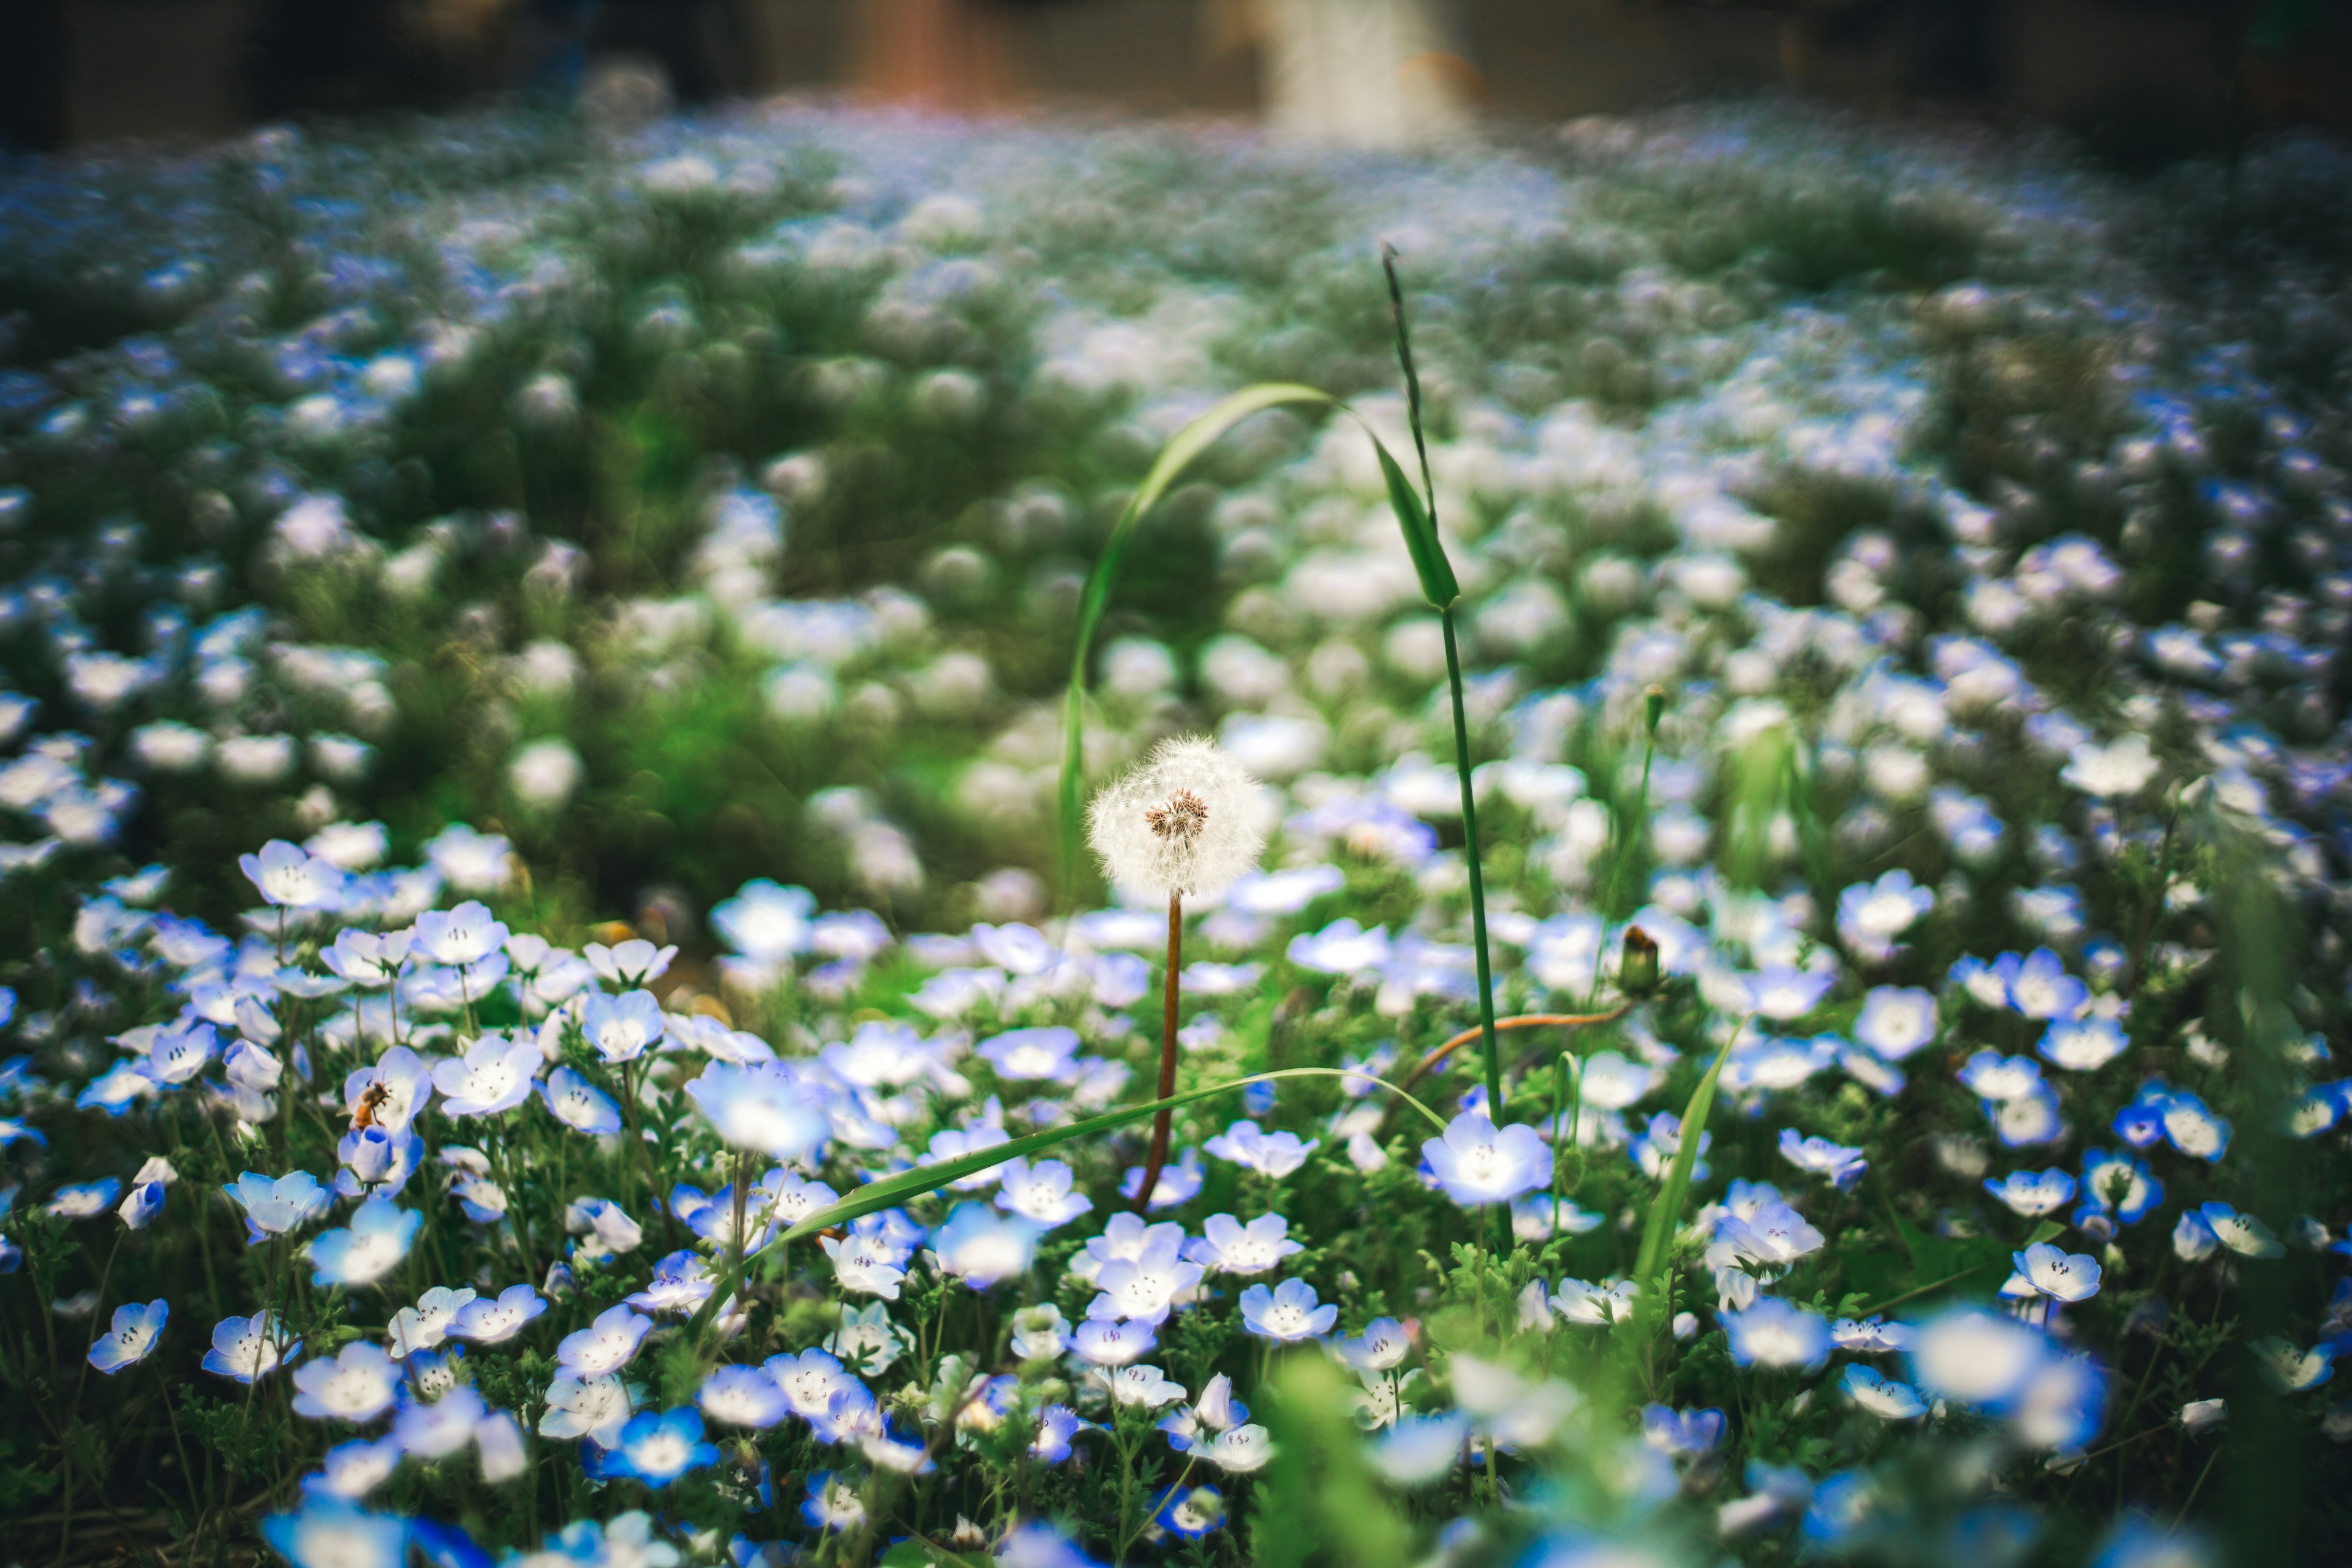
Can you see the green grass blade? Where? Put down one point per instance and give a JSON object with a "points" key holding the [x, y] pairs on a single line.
{"points": [[1421, 542], [1183, 448], [893, 1190], [1667, 1211]]}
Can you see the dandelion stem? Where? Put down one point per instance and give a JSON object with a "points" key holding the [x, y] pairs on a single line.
{"points": [[1165, 1120]]}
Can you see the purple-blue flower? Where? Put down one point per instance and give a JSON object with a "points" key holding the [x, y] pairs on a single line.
{"points": [[1288, 1313], [1477, 1163]]}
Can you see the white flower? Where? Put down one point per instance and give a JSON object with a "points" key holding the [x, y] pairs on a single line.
{"points": [[2121, 769], [544, 773], [1187, 821]]}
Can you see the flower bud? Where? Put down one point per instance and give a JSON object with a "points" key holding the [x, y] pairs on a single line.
{"points": [[1637, 970]]}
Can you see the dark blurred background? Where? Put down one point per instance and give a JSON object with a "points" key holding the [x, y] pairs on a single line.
{"points": [[2140, 79]]}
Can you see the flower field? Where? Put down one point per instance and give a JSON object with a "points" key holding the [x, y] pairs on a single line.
{"points": [[808, 836]]}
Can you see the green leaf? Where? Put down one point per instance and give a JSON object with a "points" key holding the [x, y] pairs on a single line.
{"points": [[1421, 541], [893, 1190], [1183, 448], [1667, 1213]]}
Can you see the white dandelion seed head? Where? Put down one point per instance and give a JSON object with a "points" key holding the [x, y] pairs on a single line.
{"points": [[1186, 821]]}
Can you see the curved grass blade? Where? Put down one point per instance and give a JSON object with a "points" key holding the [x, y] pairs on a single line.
{"points": [[1183, 448], [892, 1190], [1667, 1211]]}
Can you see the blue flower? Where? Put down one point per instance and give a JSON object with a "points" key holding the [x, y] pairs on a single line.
{"points": [[275, 1207], [357, 1385], [1774, 1334], [327, 1532], [1896, 1021], [2240, 1233], [1275, 1155], [654, 1448], [2084, 1044], [2191, 1127], [606, 1345], [1228, 1247], [764, 1107], [1871, 915], [1343, 947], [1882, 1396], [2040, 987], [1041, 1193], [2061, 1405], [742, 1396], [131, 1337], [2033, 1193], [2140, 1123], [1178, 1183], [1288, 1313], [1046, 1054], [1478, 1163], [1659, 1140], [1976, 1357], [1841, 1164], [83, 1200], [1190, 1514], [113, 1090], [620, 1027], [2061, 1276], [495, 1075], [247, 1348], [2030, 1117], [833, 1503], [487, 1321], [352, 1470], [379, 1236], [580, 1104], [981, 1247], [290, 878], [1681, 1434], [146, 1201], [2121, 1185], [765, 921]]}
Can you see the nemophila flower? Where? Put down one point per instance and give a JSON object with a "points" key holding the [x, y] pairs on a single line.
{"points": [[1041, 1193], [461, 937], [628, 964], [681, 1283], [742, 1396], [1681, 1434], [863, 1267], [2039, 986], [496, 1073], [1185, 822], [580, 1104], [395, 1090], [84, 1200], [247, 1348], [763, 1107], [1872, 915], [1990, 1076], [1476, 1162], [1228, 1247], [2085, 1044], [2030, 1117], [1382, 1347], [1178, 1183], [273, 1207], [981, 1248], [437, 1427], [328, 1532], [357, 1385], [1896, 1021], [377, 1239], [1286, 1313], [1189, 1514], [1610, 1083], [604, 1346], [811, 1381], [1781, 992], [604, 1228], [1774, 1334], [1661, 1139], [1046, 1054], [1109, 1341], [350, 1471], [1882, 1396], [620, 1027], [1419, 1449], [139, 1209], [2240, 1233], [424, 1326], [287, 876], [2062, 1404], [2193, 1240], [1144, 1386], [2120, 1184], [595, 1408], [766, 922], [1592, 1306], [131, 1337], [2061, 1276], [1976, 1357], [115, 1090], [833, 1504], [2291, 1369], [2190, 1126], [1274, 1154], [2033, 1193], [180, 1052], [1343, 947], [2124, 768], [955, 1143], [367, 958], [1843, 1165], [487, 1321], [654, 1448], [1772, 1234]]}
